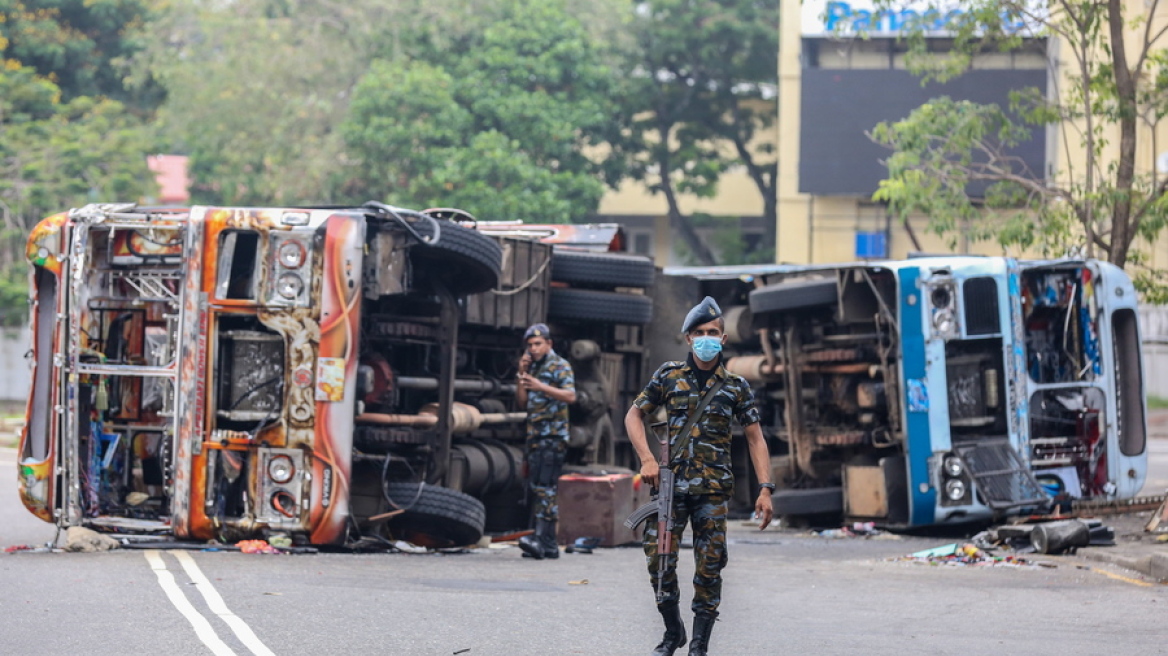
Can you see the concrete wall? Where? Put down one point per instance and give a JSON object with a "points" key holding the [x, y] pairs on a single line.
{"points": [[15, 378], [1154, 333]]}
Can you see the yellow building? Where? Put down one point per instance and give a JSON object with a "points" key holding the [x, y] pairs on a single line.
{"points": [[833, 88]]}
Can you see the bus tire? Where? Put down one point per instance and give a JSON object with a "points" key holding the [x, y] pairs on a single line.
{"points": [[608, 269], [434, 516], [794, 295], [606, 307], [466, 260]]}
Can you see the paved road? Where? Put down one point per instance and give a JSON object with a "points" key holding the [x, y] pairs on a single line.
{"points": [[785, 593]]}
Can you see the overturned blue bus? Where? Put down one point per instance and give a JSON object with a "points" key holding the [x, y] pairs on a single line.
{"points": [[938, 390]]}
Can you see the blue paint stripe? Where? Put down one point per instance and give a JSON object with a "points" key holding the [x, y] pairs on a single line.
{"points": [[922, 505]]}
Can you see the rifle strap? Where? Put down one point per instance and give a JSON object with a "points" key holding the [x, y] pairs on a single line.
{"points": [[683, 437]]}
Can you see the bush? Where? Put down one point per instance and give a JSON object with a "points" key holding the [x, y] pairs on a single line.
{"points": [[13, 298]]}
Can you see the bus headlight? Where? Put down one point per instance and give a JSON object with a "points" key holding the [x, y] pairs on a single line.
{"points": [[955, 489], [281, 469], [290, 254], [289, 285], [952, 466], [943, 322]]}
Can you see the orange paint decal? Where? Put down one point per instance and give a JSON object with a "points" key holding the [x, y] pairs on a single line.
{"points": [[336, 376]]}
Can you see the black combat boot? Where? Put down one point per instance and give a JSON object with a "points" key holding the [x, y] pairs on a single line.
{"points": [[551, 549], [674, 637], [537, 544], [703, 623], [532, 545]]}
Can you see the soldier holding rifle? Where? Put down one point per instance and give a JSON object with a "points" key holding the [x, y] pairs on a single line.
{"points": [[701, 399]]}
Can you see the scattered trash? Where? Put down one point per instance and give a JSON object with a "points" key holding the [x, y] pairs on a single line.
{"points": [[963, 554], [280, 541], [1159, 516], [856, 530], [407, 547], [578, 582], [84, 540], [582, 545], [256, 547], [1052, 537], [275, 594]]}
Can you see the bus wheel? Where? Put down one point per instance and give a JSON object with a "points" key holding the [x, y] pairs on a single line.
{"points": [[607, 307], [609, 269], [434, 516], [794, 295], [466, 260]]}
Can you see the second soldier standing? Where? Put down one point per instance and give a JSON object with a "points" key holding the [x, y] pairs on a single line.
{"points": [[546, 387]]}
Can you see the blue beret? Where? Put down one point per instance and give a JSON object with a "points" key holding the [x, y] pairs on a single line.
{"points": [[537, 330], [703, 312]]}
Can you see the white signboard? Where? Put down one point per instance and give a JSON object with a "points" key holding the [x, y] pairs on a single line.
{"points": [[851, 17]]}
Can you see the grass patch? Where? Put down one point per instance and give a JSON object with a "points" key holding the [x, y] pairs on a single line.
{"points": [[1157, 402]]}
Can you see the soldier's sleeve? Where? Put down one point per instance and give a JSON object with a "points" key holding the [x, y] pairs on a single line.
{"points": [[746, 410], [565, 378], [653, 394]]}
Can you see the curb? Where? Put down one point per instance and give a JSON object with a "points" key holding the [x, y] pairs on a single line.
{"points": [[1154, 566]]}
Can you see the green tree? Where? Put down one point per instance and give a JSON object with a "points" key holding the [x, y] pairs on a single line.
{"points": [[700, 87], [259, 94], [504, 121], [1111, 97], [82, 46], [256, 88], [56, 155]]}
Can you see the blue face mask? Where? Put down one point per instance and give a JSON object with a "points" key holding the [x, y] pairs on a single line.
{"points": [[707, 348]]}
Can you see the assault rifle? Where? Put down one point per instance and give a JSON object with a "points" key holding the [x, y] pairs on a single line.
{"points": [[662, 503]]}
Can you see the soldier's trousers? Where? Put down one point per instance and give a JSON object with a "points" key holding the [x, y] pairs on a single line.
{"points": [[545, 463], [706, 514]]}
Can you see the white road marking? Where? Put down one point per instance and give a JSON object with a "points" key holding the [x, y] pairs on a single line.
{"points": [[219, 607], [202, 627]]}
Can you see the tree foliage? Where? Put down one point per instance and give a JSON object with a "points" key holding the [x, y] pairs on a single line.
{"points": [[1107, 104], [700, 85], [499, 121], [66, 135], [82, 46], [256, 88]]}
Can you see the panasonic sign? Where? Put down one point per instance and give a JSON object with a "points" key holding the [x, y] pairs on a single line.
{"points": [[853, 17]]}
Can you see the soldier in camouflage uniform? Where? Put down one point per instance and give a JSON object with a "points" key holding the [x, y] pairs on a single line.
{"points": [[704, 481], [546, 387]]}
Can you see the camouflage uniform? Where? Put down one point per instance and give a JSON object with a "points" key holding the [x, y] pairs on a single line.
{"points": [[704, 479], [547, 434]]}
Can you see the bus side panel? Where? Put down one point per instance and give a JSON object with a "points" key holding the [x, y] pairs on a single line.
{"points": [[336, 376], [39, 437], [1127, 435], [922, 495], [192, 389]]}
